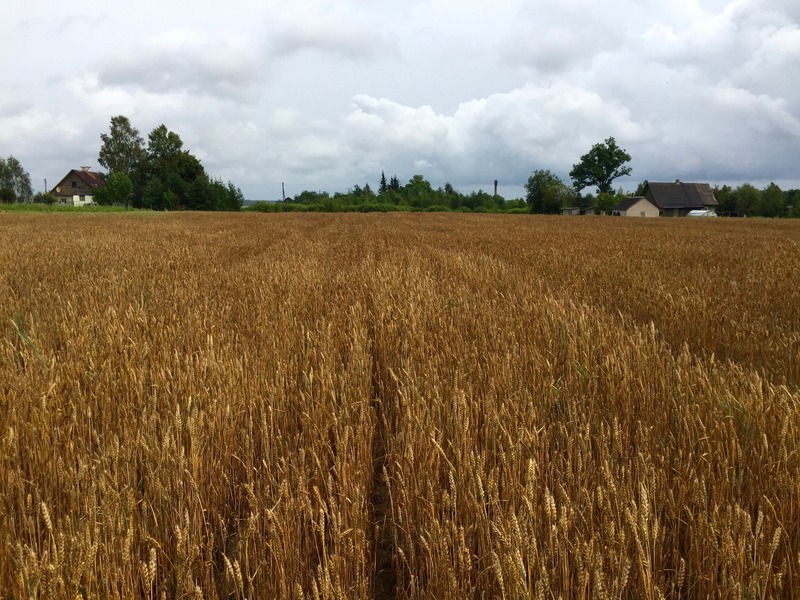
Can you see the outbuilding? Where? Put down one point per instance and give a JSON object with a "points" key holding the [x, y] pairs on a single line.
{"points": [[635, 206]]}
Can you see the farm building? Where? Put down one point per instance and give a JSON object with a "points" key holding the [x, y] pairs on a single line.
{"points": [[677, 199], [577, 210], [635, 206], [78, 186]]}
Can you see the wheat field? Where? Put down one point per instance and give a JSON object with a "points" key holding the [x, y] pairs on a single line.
{"points": [[398, 406]]}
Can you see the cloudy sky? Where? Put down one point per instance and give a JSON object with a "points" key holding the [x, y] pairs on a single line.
{"points": [[324, 94]]}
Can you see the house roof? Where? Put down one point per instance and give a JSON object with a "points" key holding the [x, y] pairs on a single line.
{"points": [[681, 195], [91, 178], [629, 202]]}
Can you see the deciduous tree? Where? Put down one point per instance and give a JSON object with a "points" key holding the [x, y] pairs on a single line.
{"points": [[122, 148], [545, 192], [601, 166], [748, 200], [14, 181], [772, 201], [418, 192], [163, 146], [726, 203], [117, 191]]}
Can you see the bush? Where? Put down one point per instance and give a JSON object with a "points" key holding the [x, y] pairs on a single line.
{"points": [[45, 198], [7, 195], [276, 207]]}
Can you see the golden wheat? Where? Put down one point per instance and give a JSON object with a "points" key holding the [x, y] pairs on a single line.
{"points": [[410, 406]]}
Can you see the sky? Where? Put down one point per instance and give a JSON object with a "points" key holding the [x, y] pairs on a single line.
{"points": [[324, 95]]}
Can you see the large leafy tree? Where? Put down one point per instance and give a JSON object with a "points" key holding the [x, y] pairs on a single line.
{"points": [[726, 201], [15, 182], [172, 173], [163, 147], [792, 202], [748, 200], [601, 166], [122, 148], [546, 193], [418, 191], [117, 191], [772, 201]]}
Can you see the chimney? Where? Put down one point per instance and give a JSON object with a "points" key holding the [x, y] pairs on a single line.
{"points": [[495, 187]]}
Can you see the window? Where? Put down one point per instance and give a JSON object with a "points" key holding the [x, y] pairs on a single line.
{"points": [[74, 184], [641, 214]]}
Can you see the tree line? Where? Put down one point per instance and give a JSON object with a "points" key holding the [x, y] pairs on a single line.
{"points": [[390, 195], [162, 175], [748, 201], [546, 192]]}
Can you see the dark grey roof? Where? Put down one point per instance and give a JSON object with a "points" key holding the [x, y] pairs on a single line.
{"points": [[90, 178], [628, 202], [680, 195]]}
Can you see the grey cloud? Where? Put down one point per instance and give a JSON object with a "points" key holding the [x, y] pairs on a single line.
{"points": [[218, 67], [13, 109], [330, 38], [566, 35], [552, 53]]}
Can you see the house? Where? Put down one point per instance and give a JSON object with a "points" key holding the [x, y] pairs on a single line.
{"points": [[677, 199], [78, 187], [635, 206]]}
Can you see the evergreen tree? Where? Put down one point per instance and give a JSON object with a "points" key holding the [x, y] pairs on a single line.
{"points": [[383, 187]]}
